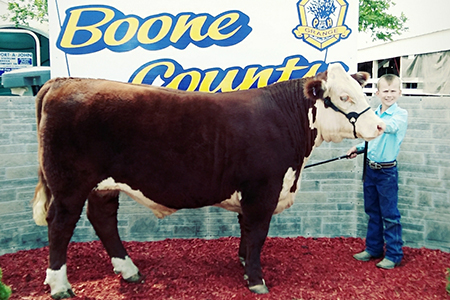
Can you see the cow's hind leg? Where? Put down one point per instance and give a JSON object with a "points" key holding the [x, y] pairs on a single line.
{"points": [[102, 213], [63, 215], [258, 204]]}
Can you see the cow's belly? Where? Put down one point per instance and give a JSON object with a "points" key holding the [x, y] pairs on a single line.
{"points": [[286, 198]]}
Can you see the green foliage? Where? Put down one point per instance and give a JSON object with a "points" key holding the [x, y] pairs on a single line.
{"points": [[23, 11], [5, 291], [448, 281], [373, 18]]}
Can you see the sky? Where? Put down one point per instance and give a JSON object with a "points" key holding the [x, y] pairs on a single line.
{"points": [[424, 16]]}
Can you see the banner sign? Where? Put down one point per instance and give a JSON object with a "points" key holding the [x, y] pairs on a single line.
{"points": [[15, 60], [211, 46]]}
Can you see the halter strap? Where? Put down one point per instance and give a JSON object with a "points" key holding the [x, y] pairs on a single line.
{"points": [[351, 116]]}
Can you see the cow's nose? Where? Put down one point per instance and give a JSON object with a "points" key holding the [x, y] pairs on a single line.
{"points": [[381, 127]]}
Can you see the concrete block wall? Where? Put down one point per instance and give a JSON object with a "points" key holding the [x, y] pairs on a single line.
{"points": [[329, 202], [424, 173], [18, 177]]}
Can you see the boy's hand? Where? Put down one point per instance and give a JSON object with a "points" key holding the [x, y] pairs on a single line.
{"points": [[352, 152]]}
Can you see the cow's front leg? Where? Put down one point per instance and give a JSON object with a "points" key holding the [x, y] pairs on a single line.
{"points": [[242, 243], [62, 218], [258, 205], [102, 213]]}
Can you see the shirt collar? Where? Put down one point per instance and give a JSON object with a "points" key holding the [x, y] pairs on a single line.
{"points": [[388, 111]]}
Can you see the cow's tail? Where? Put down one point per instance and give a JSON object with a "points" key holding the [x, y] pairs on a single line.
{"points": [[42, 194], [41, 201]]}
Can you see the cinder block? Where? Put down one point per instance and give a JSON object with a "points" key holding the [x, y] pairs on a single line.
{"points": [[27, 137], [311, 226], [311, 197], [285, 229], [438, 231], [18, 159], [441, 131], [9, 209], [143, 224], [346, 206], [21, 172], [193, 231], [332, 229]]}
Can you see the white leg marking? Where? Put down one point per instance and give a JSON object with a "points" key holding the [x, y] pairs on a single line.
{"points": [[124, 266], [57, 280]]}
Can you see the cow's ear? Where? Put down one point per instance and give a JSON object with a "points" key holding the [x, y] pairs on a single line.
{"points": [[361, 77], [314, 89]]}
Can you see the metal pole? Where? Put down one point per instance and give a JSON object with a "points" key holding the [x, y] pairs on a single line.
{"points": [[366, 146]]}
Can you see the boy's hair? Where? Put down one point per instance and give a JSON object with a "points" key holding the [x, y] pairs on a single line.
{"points": [[389, 79]]}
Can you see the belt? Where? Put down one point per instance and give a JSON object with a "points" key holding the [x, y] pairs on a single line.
{"points": [[377, 166]]}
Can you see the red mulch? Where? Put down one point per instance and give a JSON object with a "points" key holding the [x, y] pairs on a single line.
{"points": [[294, 268]]}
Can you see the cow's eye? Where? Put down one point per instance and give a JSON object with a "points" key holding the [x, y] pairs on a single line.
{"points": [[344, 98]]}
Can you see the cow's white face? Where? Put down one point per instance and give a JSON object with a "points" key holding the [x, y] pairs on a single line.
{"points": [[346, 94]]}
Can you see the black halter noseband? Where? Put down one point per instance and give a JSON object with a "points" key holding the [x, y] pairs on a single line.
{"points": [[351, 116]]}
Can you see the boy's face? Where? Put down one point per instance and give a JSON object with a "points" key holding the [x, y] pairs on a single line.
{"points": [[388, 92]]}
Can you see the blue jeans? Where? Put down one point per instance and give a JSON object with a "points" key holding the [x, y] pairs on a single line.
{"points": [[380, 204]]}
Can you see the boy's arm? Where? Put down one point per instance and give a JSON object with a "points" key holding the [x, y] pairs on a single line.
{"points": [[399, 121]]}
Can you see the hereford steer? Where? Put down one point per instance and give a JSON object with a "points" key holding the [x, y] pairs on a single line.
{"points": [[241, 150]]}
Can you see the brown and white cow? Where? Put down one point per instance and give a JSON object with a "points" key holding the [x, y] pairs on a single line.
{"points": [[241, 150]]}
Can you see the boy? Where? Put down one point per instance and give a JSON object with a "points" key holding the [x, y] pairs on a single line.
{"points": [[381, 179]]}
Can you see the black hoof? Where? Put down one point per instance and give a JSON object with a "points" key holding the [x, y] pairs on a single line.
{"points": [[64, 295], [136, 278]]}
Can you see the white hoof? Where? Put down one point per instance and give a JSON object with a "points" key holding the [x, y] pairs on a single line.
{"points": [[59, 285], [242, 260], [259, 288], [127, 268]]}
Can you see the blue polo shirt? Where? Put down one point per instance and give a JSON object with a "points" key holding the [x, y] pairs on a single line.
{"points": [[385, 148]]}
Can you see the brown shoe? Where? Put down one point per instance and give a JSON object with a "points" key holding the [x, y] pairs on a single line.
{"points": [[363, 256]]}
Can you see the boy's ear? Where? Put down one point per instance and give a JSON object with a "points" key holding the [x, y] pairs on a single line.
{"points": [[361, 77], [314, 89]]}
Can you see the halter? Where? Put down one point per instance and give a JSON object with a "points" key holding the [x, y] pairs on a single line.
{"points": [[351, 116]]}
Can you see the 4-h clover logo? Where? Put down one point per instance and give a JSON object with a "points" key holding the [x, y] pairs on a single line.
{"points": [[322, 22]]}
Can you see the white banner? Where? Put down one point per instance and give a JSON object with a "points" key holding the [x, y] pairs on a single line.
{"points": [[204, 45]]}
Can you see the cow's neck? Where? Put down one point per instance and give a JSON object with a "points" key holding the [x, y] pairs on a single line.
{"points": [[300, 115]]}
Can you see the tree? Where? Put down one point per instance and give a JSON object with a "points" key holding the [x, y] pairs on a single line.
{"points": [[23, 11], [373, 18]]}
